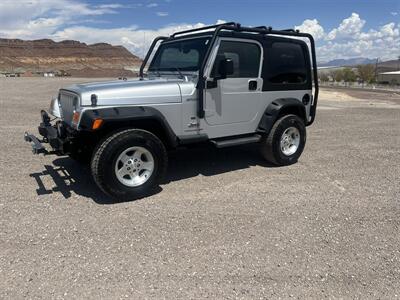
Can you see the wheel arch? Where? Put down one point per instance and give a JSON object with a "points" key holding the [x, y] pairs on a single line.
{"points": [[279, 108], [120, 118]]}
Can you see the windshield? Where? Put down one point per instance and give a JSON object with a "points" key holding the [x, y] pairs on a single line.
{"points": [[186, 55]]}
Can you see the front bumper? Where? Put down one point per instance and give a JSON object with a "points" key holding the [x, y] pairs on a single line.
{"points": [[58, 136]]}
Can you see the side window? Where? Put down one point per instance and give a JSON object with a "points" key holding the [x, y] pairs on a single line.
{"points": [[245, 57], [286, 63]]}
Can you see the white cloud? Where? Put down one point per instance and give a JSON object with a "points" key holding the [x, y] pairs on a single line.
{"points": [[313, 27], [390, 30], [112, 6], [220, 22], [162, 14], [37, 18], [383, 43], [349, 40], [394, 13], [150, 5], [348, 28]]}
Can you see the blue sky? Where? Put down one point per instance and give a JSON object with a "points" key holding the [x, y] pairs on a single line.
{"points": [[279, 14], [343, 29]]}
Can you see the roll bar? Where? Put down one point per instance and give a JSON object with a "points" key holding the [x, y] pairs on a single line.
{"points": [[232, 26], [144, 62]]}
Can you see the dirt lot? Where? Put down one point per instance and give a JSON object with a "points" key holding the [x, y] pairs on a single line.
{"points": [[225, 225]]}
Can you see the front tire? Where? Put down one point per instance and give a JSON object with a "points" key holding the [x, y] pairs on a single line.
{"points": [[285, 142], [129, 164]]}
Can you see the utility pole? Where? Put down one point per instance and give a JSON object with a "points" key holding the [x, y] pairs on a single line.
{"points": [[398, 63]]}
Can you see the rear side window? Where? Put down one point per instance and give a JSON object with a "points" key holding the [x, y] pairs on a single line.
{"points": [[286, 64], [245, 57]]}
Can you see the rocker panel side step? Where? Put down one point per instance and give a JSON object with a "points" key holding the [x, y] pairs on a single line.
{"points": [[236, 141]]}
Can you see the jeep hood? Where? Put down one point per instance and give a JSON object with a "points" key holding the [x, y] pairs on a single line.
{"points": [[131, 92]]}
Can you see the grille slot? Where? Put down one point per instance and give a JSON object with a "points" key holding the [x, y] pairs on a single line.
{"points": [[68, 103]]}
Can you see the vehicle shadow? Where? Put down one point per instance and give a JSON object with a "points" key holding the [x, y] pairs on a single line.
{"points": [[208, 161], [66, 176]]}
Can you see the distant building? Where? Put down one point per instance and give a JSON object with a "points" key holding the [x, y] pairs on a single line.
{"points": [[12, 74], [27, 74], [49, 74], [389, 77], [61, 73]]}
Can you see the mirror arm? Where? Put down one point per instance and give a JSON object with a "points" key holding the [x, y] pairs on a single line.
{"points": [[211, 84]]}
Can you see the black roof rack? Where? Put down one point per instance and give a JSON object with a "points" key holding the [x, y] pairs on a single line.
{"points": [[203, 28], [234, 25], [262, 27], [291, 30], [237, 27]]}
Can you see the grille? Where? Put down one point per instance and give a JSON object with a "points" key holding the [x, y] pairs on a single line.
{"points": [[68, 103]]}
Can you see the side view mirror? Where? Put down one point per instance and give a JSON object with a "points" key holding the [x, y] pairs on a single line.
{"points": [[225, 68]]}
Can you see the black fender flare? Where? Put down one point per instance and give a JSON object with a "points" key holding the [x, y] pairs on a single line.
{"points": [[275, 109], [113, 116]]}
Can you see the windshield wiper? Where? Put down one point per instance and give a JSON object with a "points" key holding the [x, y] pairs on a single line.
{"points": [[179, 71], [157, 70]]}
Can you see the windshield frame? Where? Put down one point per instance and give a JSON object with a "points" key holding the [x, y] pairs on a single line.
{"points": [[173, 70]]}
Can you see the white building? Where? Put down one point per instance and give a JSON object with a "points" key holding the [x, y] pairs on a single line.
{"points": [[389, 77]]}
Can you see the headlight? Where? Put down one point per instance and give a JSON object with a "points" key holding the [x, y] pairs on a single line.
{"points": [[55, 108]]}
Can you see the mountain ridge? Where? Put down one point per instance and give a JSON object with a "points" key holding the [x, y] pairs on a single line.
{"points": [[340, 62], [74, 57]]}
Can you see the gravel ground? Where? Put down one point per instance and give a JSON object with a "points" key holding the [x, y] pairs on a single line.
{"points": [[225, 225]]}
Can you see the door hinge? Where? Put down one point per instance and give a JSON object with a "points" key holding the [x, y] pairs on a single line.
{"points": [[193, 122]]}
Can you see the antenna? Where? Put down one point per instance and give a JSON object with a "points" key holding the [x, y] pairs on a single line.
{"points": [[144, 43]]}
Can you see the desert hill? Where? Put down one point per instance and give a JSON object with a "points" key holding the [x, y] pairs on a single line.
{"points": [[340, 62], [73, 57]]}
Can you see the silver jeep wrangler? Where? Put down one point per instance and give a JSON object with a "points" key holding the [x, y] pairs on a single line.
{"points": [[225, 84]]}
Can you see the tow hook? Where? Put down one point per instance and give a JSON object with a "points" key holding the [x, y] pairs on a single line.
{"points": [[37, 146]]}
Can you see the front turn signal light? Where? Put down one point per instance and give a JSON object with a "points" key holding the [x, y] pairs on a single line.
{"points": [[97, 123]]}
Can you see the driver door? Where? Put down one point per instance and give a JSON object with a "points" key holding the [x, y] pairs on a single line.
{"points": [[237, 98]]}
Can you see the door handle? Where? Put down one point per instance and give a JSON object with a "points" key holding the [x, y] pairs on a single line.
{"points": [[252, 85]]}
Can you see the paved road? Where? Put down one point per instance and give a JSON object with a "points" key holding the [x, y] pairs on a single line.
{"points": [[225, 225]]}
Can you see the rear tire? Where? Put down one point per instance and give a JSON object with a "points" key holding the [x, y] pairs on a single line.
{"points": [[129, 164], [285, 142]]}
